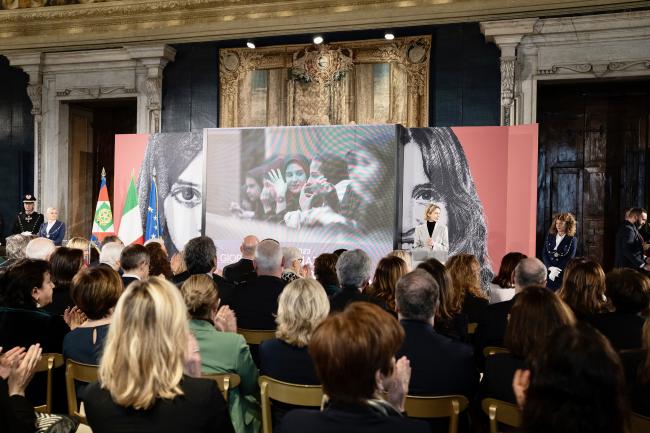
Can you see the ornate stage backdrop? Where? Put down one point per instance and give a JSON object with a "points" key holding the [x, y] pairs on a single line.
{"points": [[270, 182], [363, 82]]}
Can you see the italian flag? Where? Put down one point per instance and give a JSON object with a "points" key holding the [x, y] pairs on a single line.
{"points": [[131, 222], [103, 222]]}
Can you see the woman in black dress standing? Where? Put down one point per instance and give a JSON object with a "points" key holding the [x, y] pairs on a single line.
{"points": [[559, 248]]}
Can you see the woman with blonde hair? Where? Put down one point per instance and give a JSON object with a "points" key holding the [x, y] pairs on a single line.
{"points": [[302, 306], [389, 270], [584, 290], [91, 253], [466, 294], [143, 385], [222, 349], [559, 247], [431, 239]]}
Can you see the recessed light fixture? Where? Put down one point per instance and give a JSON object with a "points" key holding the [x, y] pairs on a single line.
{"points": [[250, 44], [389, 36], [318, 40]]}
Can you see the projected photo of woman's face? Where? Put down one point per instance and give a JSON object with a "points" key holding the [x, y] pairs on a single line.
{"points": [[436, 171], [177, 161], [317, 188]]}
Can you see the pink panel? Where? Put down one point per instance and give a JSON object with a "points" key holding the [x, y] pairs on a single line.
{"points": [[129, 153]]}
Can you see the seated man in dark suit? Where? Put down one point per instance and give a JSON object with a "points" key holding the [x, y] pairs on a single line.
{"points": [[135, 263], [354, 269], [492, 325], [243, 270], [629, 242], [439, 365], [201, 258], [255, 302]]}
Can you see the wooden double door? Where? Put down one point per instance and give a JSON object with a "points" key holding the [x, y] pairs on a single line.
{"points": [[593, 159]]}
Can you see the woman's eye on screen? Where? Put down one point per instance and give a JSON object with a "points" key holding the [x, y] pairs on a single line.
{"points": [[422, 193], [186, 195]]}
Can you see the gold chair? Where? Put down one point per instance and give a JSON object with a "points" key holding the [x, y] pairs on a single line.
{"points": [[500, 411], [445, 406], [47, 363], [471, 328], [76, 371], [289, 393], [639, 423], [493, 350], [226, 381], [256, 336]]}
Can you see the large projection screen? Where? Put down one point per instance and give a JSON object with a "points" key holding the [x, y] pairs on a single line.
{"points": [[317, 188]]}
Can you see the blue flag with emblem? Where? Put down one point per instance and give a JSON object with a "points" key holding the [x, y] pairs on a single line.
{"points": [[152, 230]]}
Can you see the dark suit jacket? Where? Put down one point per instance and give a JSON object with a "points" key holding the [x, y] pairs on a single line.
{"points": [[283, 361], [200, 409], [639, 393], [256, 302], [349, 419], [491, 328], [61, 300], [57, 232], [16, 412], [623, 330], [239, 271], [439, 365], [629, 247], [497, 379], [474, 306], [128, 280], [351, 294], [559, 257]]}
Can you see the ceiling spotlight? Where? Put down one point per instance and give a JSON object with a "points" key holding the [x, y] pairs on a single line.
{"points": [[250, 44], [389, 36], [318, 40]]}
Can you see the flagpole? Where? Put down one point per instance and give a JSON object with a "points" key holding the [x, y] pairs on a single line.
{"points": [[155, 183]]}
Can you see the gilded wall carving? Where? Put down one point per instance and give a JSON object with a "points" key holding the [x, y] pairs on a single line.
{"points": [[22, 4], [350, 82]]}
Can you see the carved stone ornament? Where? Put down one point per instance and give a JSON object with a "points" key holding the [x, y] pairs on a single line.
{"points": [[598, 69], [321, 64], [35, 93], [94, 92]]}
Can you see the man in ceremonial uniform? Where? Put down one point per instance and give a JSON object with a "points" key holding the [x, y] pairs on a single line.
{"points": [[28, 221]]}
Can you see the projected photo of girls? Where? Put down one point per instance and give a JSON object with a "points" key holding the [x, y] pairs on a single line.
{"points": [[318, 185], [436, 172]]}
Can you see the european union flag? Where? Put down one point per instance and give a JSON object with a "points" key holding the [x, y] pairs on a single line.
{"points": [[153, 223]]}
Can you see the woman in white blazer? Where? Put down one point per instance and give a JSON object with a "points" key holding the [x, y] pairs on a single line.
{"points": [[431, 239]]}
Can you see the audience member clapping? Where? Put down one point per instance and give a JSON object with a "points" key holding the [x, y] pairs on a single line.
{"points": [[389, 270], [17, 368], [302, 306], [95, 291], [502, 287], [325, 273], [64, 265], [583, 289], [354, 357], [575, 385], [536, 312], [142, 385], [222, 350], [467, 295]]}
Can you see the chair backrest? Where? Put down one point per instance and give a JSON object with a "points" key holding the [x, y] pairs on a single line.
{"points": [[639, 423], [493, 350], [226, 381], [76, 371], [47, 363], [471, 327], [256, 336], [444, 406], [499, 411], [289, 393]]}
